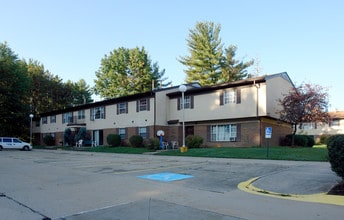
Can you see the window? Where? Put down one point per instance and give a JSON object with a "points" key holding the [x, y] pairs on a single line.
{"points": [[122, 108], [227, 132], [188, 102], [97, 113], [44, 120], [334, 122], [53, 119], [143, 132], [123, 133], [308, 126], [142, 105], [8, 140], [81, 114], [67, 117], [229, 96], [16, 140]]}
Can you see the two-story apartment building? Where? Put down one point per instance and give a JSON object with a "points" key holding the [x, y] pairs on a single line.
{"points": [[231, 114], [335, 126]]}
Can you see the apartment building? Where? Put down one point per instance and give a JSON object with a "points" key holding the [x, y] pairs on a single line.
{"points": [[333, 127], [233, 114]]}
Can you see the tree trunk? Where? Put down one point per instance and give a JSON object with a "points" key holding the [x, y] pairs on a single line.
{"points": [[293, 136]]}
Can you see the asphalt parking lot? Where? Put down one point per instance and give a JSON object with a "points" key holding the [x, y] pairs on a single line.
{"points": [[55, 184]]}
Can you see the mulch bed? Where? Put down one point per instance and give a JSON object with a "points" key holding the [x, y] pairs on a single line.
{"points": [[337, 189]]}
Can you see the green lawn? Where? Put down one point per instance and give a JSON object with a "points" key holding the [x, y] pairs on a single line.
{"points": [[275, 153], [317, 153]]}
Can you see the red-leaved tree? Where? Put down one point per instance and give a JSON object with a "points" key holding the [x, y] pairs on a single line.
{"points": [[305, 103]]}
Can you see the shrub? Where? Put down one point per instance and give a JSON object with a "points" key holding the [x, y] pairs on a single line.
{"points": [[299, 140], [82, 134], [68, 137], [49, 140], [114, 140], [192, 141], [336, 154], [136, 141], [311, 141], [152, 143], [324, 139]]}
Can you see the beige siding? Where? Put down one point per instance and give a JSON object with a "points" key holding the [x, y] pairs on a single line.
{"points": [[207, 106], [277, 87]]}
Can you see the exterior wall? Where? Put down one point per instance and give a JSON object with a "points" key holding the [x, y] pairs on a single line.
{"points": [[279, 131], [258, 101], [207, 106], [276, 88], [321, 129]]}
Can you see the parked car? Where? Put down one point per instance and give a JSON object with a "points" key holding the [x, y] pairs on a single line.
{"points": [[14, 143]]}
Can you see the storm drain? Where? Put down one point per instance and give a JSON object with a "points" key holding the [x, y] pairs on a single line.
{"points": [[166, 177]]}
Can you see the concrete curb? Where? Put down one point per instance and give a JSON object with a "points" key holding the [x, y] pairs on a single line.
{"points": [[247, 186]]}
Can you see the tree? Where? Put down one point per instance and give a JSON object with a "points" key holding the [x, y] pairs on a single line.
{"points": [[306, 103], [127, 71], [81, 92], [232, 69], [208, 63], [205, 60], [14, 90], [49, 93]]}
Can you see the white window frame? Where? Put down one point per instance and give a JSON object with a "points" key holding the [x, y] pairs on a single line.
{"points": [[44, 120], [143, 132], [98, 112], [122, 108], [53, 119], [67, 117], [143, 105], [229, 96], [187, 102], [335, 123], [81, 114], [123, 133], [223, 132]]}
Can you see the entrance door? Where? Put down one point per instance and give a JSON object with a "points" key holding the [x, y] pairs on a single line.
{"points": [[189, 130], [98, 137]]}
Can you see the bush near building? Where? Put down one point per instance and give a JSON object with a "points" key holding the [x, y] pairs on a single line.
{"points": [[49, 140], [299, 140], [114, 140], [136, 141], [193, 141], [336, 154]]}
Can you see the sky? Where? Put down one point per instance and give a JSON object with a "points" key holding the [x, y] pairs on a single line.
{"points": [[70, 37]]}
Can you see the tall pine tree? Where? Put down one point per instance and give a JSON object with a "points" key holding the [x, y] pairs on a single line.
{"points": [[207, 63], [205, 60]]}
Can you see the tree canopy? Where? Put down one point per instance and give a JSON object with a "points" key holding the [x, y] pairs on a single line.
{"points": [[49, 92], [26, 87], [127, 71], [305, 103], [208, 63], [14, 87]]}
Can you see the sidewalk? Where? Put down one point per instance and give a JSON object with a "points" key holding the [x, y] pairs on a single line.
{"points": [[300, 183]]}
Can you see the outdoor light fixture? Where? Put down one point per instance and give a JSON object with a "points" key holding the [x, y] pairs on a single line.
{"points": [[182, 89], [31, 116]]}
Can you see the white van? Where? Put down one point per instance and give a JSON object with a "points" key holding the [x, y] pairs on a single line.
{"points": [[13, 143]]}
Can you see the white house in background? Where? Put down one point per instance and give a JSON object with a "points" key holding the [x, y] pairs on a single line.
{"points": [[230, 114], [335, 126]]}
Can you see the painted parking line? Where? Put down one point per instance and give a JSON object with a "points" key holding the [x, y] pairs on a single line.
{"points": [[166, 177], [323, 198]]}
